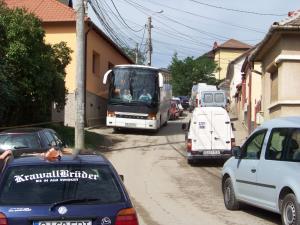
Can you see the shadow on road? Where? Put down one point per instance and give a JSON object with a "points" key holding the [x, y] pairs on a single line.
{"points": [[173, 128], [141, 146], [209, 163], [261, 213]]}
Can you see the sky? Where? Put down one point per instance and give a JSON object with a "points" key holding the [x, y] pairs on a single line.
{"points": [[187, 27]]}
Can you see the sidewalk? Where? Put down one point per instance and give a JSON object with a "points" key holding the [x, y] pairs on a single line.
{"points": [[240, 132]]}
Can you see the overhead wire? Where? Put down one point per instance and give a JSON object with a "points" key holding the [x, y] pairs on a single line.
{"points": [[123, 19], [146, 12], [215, 36], [107, 9], [206, 17], [236, 10], [99, 14]]}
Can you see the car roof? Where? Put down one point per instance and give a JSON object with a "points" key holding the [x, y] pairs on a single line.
{"points": [[24, 130], [288, 121], [65, 159]]}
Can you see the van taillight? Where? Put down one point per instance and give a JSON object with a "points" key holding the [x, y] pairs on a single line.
{"points": [[232, 142], [3, 219], [127, 217], [189, 145]]}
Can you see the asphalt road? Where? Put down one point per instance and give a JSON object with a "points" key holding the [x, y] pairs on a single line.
{"points": [[165, 189]]}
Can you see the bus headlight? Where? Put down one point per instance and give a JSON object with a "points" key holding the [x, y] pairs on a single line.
{"points": [[111, 114], [152, 116]]}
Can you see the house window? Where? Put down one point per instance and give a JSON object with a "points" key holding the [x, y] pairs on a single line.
{"points": [[274, 86], [110, 65], [96, 63]]}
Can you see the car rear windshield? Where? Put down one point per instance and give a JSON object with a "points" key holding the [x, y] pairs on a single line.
{"points": [[31, 185], [18, 141]]}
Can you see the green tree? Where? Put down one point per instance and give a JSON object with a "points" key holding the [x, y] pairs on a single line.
{"points": [[32, 73], [188, 71]]}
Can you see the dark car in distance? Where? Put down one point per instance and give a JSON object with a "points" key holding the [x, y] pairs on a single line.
{"points": [[184, 100], [40, 139], [70, 190]]}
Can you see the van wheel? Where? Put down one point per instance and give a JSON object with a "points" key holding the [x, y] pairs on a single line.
{"points": [[290, 211], [230, 200]]}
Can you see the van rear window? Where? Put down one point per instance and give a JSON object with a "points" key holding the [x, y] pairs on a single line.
{"points": [[208, 98], [219, 97], [29, 185]]}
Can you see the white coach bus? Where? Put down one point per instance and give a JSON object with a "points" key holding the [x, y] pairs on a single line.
{"points": [[138, 97]]}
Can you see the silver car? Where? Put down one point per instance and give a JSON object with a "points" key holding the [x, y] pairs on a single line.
{"points": [[264, 171]]}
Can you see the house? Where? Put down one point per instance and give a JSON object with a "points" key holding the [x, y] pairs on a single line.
{"points": [[234, 76], [225, 53], [59, 23], [251, 93], [279, 55]]}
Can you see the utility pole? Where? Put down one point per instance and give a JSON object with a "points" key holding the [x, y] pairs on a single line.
{"points": [[79, 92], [136, 53], [149, 41]]}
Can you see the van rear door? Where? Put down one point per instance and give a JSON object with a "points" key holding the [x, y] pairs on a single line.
{"points": [[221, 130], [202, 139]]}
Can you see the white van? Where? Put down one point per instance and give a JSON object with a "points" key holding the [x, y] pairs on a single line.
{"points": [[209, 134], [197, 89]]}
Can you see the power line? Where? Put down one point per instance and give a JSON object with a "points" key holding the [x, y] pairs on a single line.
{"points": [[142, 38], [123, 19], [237, 10], [215, 36], [125, 35], [206, 17], [99, 14]]}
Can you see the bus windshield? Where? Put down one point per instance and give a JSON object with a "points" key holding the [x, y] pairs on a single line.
{"points": [[134, 85]]}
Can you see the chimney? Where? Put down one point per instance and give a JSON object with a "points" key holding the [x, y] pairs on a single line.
{"points": [[215, 45], [291, 13], [70, 4]]}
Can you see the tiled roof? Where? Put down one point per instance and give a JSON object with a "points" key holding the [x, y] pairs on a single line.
{"points": [[292, 20], [234, 44], [46, 10]]}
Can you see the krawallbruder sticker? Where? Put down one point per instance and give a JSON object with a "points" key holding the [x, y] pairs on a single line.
{"points": [[55, 176]]}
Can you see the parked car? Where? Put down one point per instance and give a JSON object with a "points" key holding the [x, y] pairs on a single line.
{"points": [[177, 101], [81, 189], [264, 171], [209, 134], [174, 111], [40, 139], [184, 100]]}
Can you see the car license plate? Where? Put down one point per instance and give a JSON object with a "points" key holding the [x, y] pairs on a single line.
{"points": [[64, 222], [130, 124], [212, 152]]}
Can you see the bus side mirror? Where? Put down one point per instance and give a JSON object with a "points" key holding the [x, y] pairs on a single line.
{"points": [[106, 76], [160, 80]]}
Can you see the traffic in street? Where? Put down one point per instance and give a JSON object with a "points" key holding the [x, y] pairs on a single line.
{"points": [[165, 189]]}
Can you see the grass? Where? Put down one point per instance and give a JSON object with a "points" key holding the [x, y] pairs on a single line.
{"points": [[67, 134]]}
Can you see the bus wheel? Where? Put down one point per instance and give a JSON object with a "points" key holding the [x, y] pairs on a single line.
{"points": [[117, 129]]}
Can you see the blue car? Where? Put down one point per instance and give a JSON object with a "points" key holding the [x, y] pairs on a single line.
{"points": [[70, 190]]}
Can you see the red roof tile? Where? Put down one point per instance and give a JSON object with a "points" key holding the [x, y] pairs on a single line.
{"points": [[234, 44], [46, 10]]}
